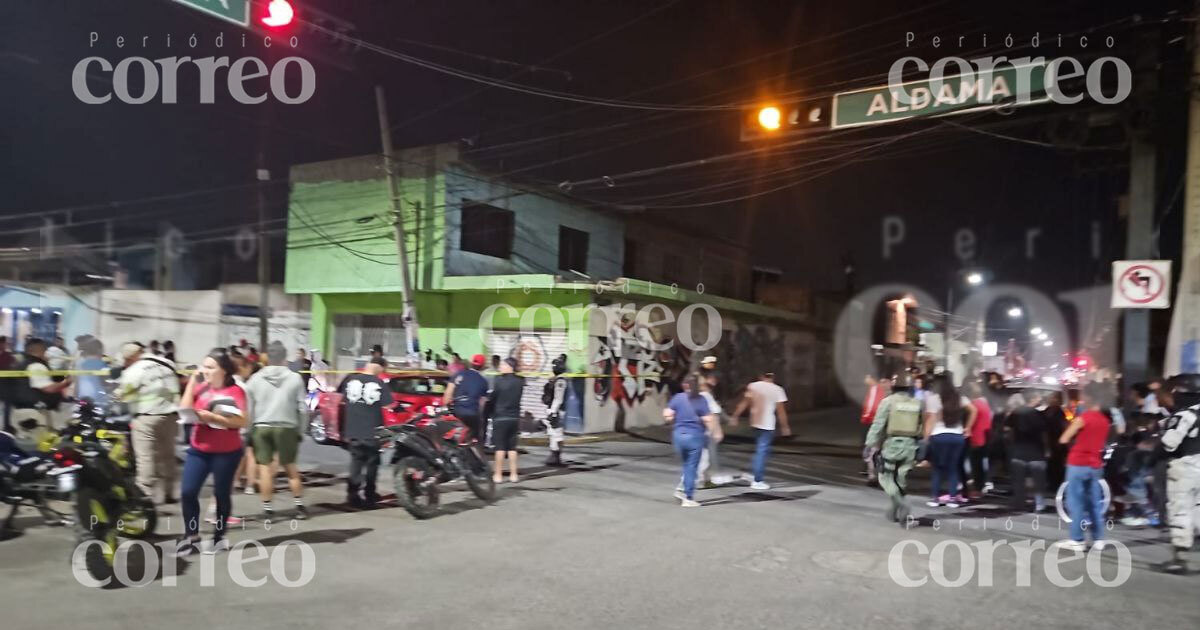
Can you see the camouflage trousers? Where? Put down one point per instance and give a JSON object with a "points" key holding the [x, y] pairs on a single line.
{"points": [[1183, 499], [899, 455]]}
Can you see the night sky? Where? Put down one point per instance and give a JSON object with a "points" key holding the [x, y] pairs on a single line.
{"points": [[62, 153]]}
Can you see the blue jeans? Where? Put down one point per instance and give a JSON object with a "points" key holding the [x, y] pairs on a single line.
{"points": [[689, 445], [1085, 500], [762, 448], [945, 453], [1139, 490], [196, 469]]}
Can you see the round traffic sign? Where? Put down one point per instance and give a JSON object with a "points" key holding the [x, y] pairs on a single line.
{"points": [[1141, 284]]}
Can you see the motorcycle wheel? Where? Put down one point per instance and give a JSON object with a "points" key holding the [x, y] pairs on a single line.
{"points": [[478, 474], [97, 559], [416, 487], [139, 519]]}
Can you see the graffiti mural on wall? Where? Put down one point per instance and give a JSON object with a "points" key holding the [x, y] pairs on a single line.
{"points": [[744, 354], [630, 354]]}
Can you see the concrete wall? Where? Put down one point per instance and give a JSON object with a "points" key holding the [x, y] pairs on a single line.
{"points": [[535, 231], [189, 318], [341, 236]]}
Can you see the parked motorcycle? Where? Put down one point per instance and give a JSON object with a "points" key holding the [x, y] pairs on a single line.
{"points": [[431, 449], [30, 480], [95, 448]]}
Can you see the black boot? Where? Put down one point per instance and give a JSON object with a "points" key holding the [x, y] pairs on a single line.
{"points": [[554, 458], [1176, 565]]}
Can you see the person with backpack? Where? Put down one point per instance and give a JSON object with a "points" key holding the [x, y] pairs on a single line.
{"points": [[554, 396], [895, 428]]}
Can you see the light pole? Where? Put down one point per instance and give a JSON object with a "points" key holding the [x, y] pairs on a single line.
{"points": [[972, 279]]}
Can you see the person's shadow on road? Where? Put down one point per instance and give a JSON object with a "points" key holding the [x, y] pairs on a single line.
{"points": [[757, 497]]}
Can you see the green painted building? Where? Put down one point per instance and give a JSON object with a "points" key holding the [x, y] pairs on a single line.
{"points": [[500, 270]]}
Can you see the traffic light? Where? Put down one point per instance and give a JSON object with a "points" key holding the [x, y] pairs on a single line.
{"points": [[279, 14], [769, 118], [769, 122]]}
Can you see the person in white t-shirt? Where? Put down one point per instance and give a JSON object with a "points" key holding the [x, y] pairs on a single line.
{"points": [[765, 400], [949, 416]]}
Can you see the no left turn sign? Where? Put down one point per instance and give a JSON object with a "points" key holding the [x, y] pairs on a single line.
{"points": [[1141, 284]]}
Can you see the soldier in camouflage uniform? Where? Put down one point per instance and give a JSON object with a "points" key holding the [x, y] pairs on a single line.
{"points": [[1179, 444], [896, 428]]}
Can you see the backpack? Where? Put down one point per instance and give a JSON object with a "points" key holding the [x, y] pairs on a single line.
{"points": [[904, 418], [548, 392]]}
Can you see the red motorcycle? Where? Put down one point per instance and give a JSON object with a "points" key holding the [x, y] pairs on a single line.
{"points": [[433, 448]]}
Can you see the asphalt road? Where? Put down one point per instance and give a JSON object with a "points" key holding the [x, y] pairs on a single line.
{"points": [[603, 544]]}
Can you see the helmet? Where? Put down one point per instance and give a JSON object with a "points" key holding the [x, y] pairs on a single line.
{"points": [[559, 364], [1186, 390], [1184, 384]]}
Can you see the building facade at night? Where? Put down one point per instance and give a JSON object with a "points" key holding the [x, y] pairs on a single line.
{"points": [[500, 270]]}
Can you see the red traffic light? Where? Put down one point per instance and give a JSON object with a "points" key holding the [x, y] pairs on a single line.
{"points": [[1081, 362], [279, 14]]}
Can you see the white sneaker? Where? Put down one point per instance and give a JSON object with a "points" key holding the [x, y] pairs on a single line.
{"points": [[1073, 545], [215, 547], [248, 490], [760, 485], [1099, 545], [680, 495], [722, 480], [1135, 521], [988, 487], [686, 502]]}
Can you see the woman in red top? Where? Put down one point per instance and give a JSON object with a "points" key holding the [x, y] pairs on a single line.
{"points": [[216, 447], [977, 441], [1085, 468]]}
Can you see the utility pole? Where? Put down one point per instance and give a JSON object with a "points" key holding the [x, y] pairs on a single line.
{"points": [[1139, 234], [263, 175], [264, 253], [1184, 337], [410, 307]]}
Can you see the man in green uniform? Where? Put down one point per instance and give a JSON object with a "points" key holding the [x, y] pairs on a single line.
{"points": [[896, 428]]}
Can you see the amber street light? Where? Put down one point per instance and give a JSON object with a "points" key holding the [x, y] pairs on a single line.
{"points": [[769, 118]]}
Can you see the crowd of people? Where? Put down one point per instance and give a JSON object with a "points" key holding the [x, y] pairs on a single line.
{"points": [[1039, 440]]}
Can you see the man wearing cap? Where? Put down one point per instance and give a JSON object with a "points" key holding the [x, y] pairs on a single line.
{"points": [[464, 396], [150, 386]]}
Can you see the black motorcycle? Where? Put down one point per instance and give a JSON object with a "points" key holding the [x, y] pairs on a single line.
{"points": [[30, 480], [107, 501], [432, 449]]}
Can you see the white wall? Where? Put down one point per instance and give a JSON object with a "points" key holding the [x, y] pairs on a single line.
{"points": [[189, 318]]}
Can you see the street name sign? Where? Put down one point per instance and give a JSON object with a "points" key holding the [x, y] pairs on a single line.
{"points": [[236, 11], [957, 94]]}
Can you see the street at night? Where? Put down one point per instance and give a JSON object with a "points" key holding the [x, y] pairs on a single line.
{"points": [[645, 314]]}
